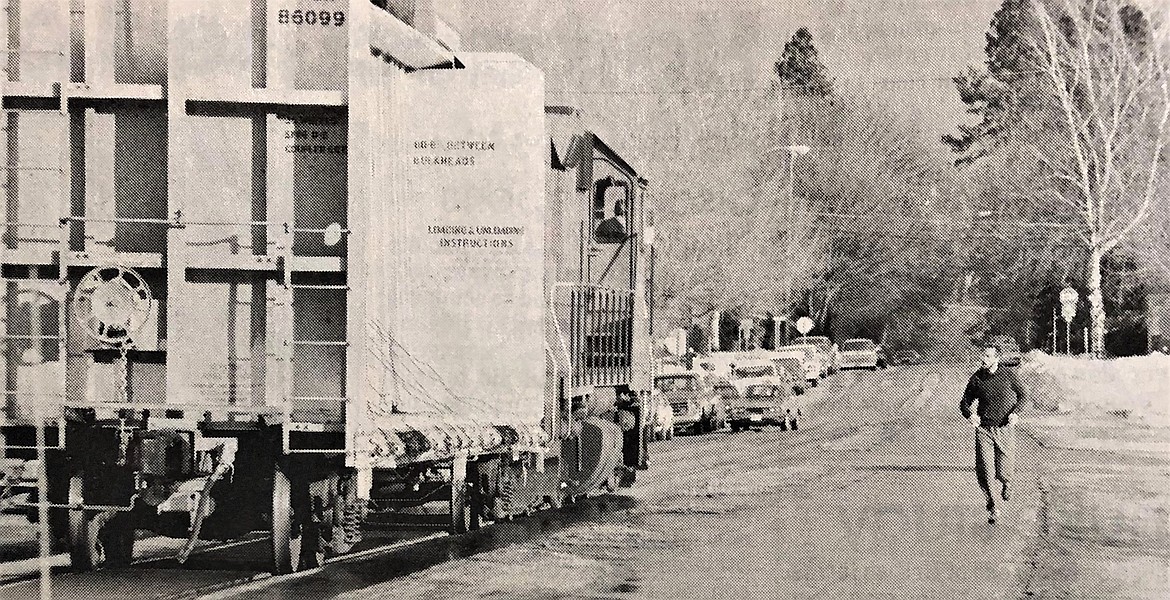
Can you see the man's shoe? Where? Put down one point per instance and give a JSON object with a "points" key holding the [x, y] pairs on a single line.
{"points": [[1006, 491], [993, 516]]}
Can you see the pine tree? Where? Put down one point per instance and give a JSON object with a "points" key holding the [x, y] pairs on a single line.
{"points": [[1003, 95], [800, 68]]}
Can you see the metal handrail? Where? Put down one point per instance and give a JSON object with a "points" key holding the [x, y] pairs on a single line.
{"points": [[33, 51], [179, 222], [79, 219], [27, 224], [596, 356]]}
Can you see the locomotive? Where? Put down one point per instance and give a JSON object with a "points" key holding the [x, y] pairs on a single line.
{"points": [[278, 268]]}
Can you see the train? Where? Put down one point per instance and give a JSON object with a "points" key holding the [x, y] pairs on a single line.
{"points": [[286, 266]]}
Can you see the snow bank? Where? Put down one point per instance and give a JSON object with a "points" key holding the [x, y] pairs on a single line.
{"points": [[1136, 387]]}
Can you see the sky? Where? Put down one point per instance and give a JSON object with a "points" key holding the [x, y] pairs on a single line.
{"points": [[905, 51]]}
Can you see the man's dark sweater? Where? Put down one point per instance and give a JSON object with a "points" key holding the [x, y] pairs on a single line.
{"points": [[999, 394]]}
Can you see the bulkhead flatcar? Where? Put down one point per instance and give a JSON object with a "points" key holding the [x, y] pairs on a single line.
{"points": [[273, 267]]}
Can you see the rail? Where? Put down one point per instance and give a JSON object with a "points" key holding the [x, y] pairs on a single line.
{"points": [[595, 324]]}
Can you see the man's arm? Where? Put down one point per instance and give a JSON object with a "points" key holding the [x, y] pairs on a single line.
{"points": [[970, 395]]}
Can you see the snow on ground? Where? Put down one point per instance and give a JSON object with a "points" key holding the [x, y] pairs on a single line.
{"points": [[1136, 387]]}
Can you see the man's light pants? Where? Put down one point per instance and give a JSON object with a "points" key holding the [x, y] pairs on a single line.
{"points": [[995, 449]]}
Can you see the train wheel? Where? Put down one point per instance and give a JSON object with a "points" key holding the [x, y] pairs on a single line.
{"points": [[465, 514], [295, 546], [97, 538], [476, 508], [461, 519], [85, 549]]}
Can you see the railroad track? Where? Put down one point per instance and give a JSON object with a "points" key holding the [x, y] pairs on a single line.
{"points": [[240, 567]]}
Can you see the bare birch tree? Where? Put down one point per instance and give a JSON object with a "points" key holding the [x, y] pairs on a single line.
{"points": [[1104, 78]]}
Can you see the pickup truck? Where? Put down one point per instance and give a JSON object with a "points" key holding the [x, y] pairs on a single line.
{"points": [[693, 401], [859, 353]]}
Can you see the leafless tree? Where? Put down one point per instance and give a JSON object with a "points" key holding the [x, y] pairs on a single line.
{"points": [[1107, 87]]}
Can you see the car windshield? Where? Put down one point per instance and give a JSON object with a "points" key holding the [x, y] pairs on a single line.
{"points": [[857, 346], [815, 340], [727, 391], [791, 363], [761, 391], [676, 384], [754, 371]]}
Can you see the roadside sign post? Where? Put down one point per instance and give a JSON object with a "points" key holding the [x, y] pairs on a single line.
{"points": [[1054, 330], [1068, 310]]}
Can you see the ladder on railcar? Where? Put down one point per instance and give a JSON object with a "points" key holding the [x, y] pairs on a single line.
{"points": [[301, 348], [32, 284]]}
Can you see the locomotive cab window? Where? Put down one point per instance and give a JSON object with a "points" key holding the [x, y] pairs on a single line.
{"points": [[611, 211]]}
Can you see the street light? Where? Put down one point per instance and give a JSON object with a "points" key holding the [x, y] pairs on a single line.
{"points": [[793, 152]]}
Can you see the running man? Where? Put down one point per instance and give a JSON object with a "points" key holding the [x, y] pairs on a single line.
{"points": [[1000, 396]]}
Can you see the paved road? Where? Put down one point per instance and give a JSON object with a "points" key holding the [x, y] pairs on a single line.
{"points": [[873, 497]]}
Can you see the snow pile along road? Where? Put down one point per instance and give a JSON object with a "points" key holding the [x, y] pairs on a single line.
{"points": [[1136, 387]]}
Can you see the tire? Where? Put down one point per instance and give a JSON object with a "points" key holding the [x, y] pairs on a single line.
{"points": [[296, 545], [815, 382], [795, 423], [97, 538]]}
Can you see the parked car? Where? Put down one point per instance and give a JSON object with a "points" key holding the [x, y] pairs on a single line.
{"points": [[1009, 349], [726, 390], [717, 363], [826, 346], [793, 364], [693, 401], [906, 357], [749, 371], [859, 353], [814, 366], [764, 404]]}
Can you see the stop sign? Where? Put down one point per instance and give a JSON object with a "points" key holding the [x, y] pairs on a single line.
{"points": [[804, 325]]}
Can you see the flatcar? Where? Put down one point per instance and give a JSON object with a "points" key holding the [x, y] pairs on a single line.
{"points": [[275, 267]]}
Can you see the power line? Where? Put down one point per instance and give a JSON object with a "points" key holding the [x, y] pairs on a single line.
{"points": [[805, 87]]}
